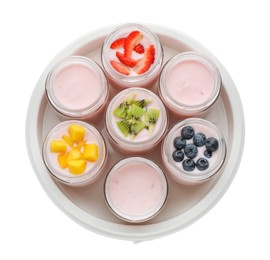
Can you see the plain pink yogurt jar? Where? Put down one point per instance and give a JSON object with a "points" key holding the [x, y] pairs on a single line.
{"points": [[132, 56], [132, 129], [93, 169], [193, 151], [77, 88], [136, 189], [189, 84]]}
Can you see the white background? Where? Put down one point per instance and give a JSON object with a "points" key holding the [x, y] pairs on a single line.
{"points": [[33, 32]]}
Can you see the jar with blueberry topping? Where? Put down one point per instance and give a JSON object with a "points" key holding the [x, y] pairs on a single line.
{"points": [[193, 151]]}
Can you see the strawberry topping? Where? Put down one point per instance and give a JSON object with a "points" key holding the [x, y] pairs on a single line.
{"points": [[139, 48], [147, 60], [121, 68], [131, 41], [118, 44], [126, 61], [130, 44]]}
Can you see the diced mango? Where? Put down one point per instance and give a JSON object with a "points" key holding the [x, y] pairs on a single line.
{"points": [[63, 160], [76, 132], [80, 144], [68, 140], [77, 166], [90, 152], [58, 146], [74, 154]]}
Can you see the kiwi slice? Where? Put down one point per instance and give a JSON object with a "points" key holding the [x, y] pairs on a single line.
{"points": [[142, 103], [121, 110], [124, 127], [136, 128], [151, 117], [129, 127], [136, 112]]}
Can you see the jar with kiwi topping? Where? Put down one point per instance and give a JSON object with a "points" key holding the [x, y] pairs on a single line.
{"points": [[136, 120]]}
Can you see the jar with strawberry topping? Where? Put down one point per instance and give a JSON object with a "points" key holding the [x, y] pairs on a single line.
{"points": [[132, 56]]}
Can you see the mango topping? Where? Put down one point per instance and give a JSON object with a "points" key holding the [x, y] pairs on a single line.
{"points": [[73, 151], [58, 146], [68, 140], [62, 160], [75, 154], [90, 152], [77, 166], [76, 132]]}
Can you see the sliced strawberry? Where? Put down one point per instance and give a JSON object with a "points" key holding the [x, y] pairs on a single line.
{"points": [[139, 48], [131, 41], [118, 44], [120, 67], [147, 60], [127, 61]]}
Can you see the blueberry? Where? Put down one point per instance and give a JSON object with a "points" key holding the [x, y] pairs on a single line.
{"points": [[178, 155], [199, 139], [207, 154], [188, 165], [202, 164], [191, 151], [187, 132], [211, 144], [179, 143]]}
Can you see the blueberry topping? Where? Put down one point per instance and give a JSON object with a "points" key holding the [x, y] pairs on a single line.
{"points": [[211, 144], [188, 165], [191, 151], [178, 155], [207, 154], [179, 143], [199, 139], [202, 164], [187, 132]]}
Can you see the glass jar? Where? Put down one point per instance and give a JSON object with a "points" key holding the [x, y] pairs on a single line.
{"points": [[77, 88], [136, 189], [132, 56], [189, 84], [74, 153], [193, 151], [136, 120]]}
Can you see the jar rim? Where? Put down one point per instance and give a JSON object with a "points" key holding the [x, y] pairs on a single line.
{"points": [[128, 78], [123, 141], [177, 105], [163, 180], [81, 112], [88, 175], [172, 165]]}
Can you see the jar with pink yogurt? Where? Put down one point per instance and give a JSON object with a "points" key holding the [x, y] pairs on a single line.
{"points": [[77, 88], [136, 189], [189, 84]]}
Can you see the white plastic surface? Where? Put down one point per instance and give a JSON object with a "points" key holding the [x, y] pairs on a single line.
{"points": [[185, 204]]}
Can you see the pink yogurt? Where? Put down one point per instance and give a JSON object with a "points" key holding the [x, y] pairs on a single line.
{"points": [[189, 84], [76, 87], [136, 189]]}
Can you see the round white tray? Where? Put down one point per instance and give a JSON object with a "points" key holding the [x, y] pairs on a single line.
{"points": [[185, 204]]}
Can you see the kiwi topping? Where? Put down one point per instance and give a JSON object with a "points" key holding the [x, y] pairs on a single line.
{"points": [[135, 116], [151, 117]]}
